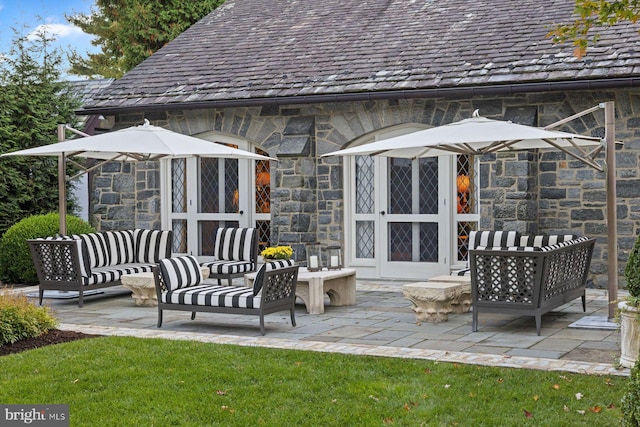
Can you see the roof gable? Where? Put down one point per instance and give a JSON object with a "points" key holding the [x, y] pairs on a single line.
{"points": [[264, 50]]}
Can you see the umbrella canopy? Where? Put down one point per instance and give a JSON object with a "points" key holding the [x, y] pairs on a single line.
{"points": [[476, 136], [144, 142]]}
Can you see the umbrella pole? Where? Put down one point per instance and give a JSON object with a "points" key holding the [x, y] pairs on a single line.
{"points": [[612, 220], [62, 185]]}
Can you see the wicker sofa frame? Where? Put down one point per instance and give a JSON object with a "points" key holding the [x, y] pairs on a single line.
{"points": [[529, 281], [96, 260]]}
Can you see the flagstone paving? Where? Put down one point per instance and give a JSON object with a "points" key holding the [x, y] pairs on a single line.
{"points": [[380, 324]]}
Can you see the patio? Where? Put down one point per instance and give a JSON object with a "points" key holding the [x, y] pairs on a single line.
{"points": [[381, 323]]}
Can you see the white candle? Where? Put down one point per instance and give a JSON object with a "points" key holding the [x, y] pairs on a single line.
{"points": [[313, 261], [334, 260]]}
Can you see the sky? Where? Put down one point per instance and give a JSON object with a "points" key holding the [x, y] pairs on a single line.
{"points": [[30, 15]]}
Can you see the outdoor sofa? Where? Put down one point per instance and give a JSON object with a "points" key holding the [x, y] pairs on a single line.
{"points": [[96, 260], [180, 286], [530, 277]]}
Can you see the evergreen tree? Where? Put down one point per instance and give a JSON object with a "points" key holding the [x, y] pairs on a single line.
{"points": [[129, 31], [33, 102]]}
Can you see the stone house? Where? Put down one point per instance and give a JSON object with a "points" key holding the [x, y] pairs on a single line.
{"points": [[298, 78]]}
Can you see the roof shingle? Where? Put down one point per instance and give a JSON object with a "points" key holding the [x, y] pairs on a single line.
{"points": [[257, 49]]}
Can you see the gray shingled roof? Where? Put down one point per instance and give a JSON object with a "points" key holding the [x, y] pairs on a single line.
{"points": [[251, 51], [85, 90]]}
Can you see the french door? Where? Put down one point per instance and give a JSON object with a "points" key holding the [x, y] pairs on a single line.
{"points": [[414, 218], [398, 217], [206, 193], [201, 194]]}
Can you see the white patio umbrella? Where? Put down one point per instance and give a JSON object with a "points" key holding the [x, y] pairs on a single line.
{"points": [[476, 136], [479, 135], [143, 142]]}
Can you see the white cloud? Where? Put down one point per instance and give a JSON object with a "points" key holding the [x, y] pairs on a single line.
{"points": [[59, 31]]}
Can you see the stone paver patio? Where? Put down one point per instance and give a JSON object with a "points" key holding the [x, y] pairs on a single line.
{"points": [[381, 324]]}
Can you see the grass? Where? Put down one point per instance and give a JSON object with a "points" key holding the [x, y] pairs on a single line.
{"points": [[118, 381]]}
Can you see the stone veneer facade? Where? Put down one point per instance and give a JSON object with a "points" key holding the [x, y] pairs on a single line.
{"points": [[543, 191]]}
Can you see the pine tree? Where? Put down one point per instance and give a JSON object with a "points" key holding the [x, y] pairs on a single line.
{"points": [[34, 101], [129, 31]]}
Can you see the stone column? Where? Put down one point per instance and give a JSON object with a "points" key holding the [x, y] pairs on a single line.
{"points": [[294, 199]]}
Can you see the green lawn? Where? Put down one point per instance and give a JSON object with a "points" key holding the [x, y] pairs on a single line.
{"points": [[115, 381]]}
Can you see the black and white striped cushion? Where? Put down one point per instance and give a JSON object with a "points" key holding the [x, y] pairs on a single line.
{"points": [[564, 244], [151, 245], [512, 248], [85, 264], [180, 272], [228, 267], [234, 244], [120, 245], [269, 266], [113, 273], [213, 296], [97, 249], [493, 239], [545, 240]]}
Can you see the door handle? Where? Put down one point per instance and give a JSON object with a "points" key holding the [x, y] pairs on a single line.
{"points": [[241, 212], [382, 213]]}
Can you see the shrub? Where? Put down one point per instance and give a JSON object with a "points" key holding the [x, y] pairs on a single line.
{"points": [[631, 400], [19, 319], [632, 271], [16, 265]]}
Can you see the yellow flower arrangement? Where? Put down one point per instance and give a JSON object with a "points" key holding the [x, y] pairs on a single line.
{"points": [[277, 252]]}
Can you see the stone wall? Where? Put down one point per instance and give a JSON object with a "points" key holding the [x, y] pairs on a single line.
{"points": [[531, 192]]}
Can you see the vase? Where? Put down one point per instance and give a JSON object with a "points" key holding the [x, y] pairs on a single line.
{"points": [[629, 334]]}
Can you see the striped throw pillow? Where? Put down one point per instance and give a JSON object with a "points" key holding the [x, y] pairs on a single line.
{"points": [[151, 245], [545, 240], [180, 272], [97, 249], [564, 243], [495, 239], [120, 246], [234, 244]]}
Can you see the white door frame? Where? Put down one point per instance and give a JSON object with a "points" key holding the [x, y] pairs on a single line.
{"points": [[246, 201], [372, 267], [415, 269]]}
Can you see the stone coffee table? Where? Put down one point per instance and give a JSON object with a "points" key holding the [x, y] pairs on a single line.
{"points": [[311, 287]]}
